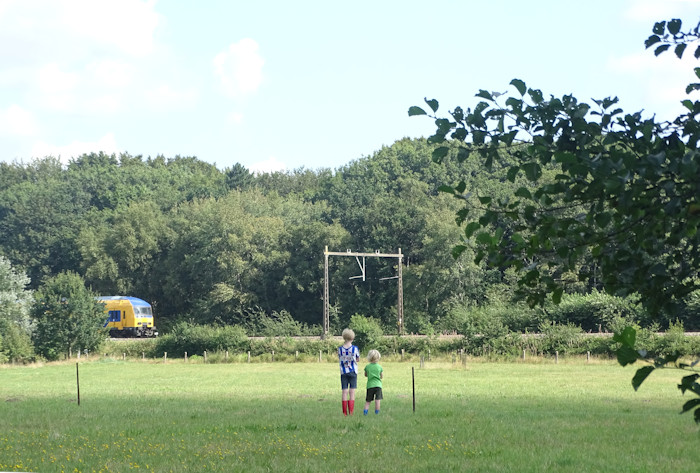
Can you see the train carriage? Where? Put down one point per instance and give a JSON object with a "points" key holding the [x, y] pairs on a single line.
{"points": [[128, 317]]}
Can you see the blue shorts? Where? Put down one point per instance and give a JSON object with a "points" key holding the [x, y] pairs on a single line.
{"points": [[348, 380]]}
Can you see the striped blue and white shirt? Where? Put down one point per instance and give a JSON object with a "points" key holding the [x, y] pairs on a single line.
{"points": [[348, 358]]}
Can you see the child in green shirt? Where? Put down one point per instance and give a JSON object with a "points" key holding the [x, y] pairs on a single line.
{"points": [[374, 374]]}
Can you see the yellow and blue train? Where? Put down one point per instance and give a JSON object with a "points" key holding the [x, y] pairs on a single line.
{"points": [[128, 317]]}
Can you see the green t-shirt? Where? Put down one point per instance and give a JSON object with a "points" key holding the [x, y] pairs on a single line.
{"points": [[373, 371]]}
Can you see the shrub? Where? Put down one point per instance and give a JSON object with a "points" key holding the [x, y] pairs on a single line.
{"points": [[368, 331], [516, 317], [595, 311], [16, 345], [562, 338], [484, 332], [196, 339], [67, 316], [675, 341]]}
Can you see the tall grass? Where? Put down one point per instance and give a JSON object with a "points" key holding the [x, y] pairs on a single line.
{"points": [[195, 417]]}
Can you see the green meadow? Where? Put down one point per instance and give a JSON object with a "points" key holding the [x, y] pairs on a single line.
{"points": [[531, 416]]}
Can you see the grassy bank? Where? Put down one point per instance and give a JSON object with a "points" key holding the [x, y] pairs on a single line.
{"points": [[490, 417]]}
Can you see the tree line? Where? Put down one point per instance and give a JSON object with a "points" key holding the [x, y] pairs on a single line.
{"points": [[229, 247]]}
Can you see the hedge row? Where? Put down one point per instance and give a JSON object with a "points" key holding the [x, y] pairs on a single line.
{"points": [[563, 339]]}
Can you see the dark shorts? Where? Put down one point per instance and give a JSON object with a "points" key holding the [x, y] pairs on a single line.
{"points": [[348, 380], [374, 393]]}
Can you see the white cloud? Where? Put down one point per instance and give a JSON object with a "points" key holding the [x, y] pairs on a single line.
{"points": [[127, 25], [239, 68], [235, 118], [164, 95], [268, 166], [56, 87], [17, 121], [655, 10], [660, 81], [106, 144], [111, 73]]}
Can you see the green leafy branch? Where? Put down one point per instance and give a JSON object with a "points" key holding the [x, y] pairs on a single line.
{"points": [[628, 354]]}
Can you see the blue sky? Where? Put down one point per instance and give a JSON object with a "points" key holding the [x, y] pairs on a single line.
{"points": [[282, 85]]}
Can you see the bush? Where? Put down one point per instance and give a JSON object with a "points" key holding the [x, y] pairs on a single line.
{"points": [[196, 339], [483, 332], [16, 345], [516, 317], [675, 341], [282, 324], [595, 311], [562, 338], [67, 316], [368, 331]]}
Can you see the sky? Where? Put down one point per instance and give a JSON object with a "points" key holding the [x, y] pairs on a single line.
{"points": [[282, 85]]}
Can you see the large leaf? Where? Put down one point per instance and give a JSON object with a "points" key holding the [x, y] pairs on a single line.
{"points": [[626, 356], [688, 383], [652, 40], [627, 337], [440, 153], [680, 49], [661, 49], [641, 374], [693, 403], [413, 111], [520, 85], [674, 26]]}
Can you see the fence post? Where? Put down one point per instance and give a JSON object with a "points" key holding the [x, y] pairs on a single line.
{"points": [[165, 357], [248, 357], [556, 357], [319, 356], [428, 354], [523, 354], [422, 361], [185, 357], [226, 355], [588, 356], [124, 356], [273, 356], [402, 354], [143, 355], [205, 356]]}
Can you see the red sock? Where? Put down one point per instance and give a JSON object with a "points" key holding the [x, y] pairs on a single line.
{"points": [[351, 405], [345, 407]]}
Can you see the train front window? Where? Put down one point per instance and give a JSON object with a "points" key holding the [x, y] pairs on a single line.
{"points": [[143, 311]]}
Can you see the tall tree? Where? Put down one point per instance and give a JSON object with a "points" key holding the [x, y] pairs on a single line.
{"points": [[614, 187], [67, 317], [15, 323]]}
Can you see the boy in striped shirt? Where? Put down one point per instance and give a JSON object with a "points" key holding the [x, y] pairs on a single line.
{"points": [[348, 355]]}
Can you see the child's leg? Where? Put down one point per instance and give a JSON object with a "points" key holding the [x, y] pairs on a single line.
{"points": [[351, 401], [345, 401], [376, 405]]}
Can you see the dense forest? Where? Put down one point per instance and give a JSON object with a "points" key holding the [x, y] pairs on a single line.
{"points": [[229, 247]]}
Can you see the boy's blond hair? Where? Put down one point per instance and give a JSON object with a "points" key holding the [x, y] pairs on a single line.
{"points": [[373, 356], [348, 335]]}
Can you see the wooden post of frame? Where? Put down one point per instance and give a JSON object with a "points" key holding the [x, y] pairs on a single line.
{"points": [[357, 255]]}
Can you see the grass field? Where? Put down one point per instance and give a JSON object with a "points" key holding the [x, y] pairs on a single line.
{"points": [[286, 417]]}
